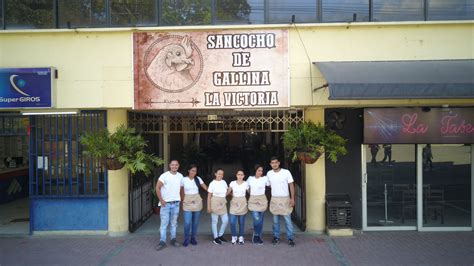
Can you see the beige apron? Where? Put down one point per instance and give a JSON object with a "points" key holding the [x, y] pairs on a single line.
{"points": [[238, 206], [218, 205], [280, 206], [192, 203], [258, 203]]}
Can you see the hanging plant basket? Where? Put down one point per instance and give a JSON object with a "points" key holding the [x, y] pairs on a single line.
{"points": [[113, 164], [306, 157]]}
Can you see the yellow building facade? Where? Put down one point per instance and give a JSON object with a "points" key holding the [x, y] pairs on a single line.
{"points": [[95, 72]]}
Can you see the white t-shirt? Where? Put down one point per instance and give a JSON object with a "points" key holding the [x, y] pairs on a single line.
{"points": [[279, 182], [218, 188], [239, 190], [190, 185], [257, 185], [171, 186]]}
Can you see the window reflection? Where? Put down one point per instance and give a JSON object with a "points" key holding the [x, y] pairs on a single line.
{"points": [[450, 10], [343, 10], [446, 185], [133, 12], [82, 13], [239, 12], [176, 12], [280, 11], [398, 10], [391, 185], [36, 14]]}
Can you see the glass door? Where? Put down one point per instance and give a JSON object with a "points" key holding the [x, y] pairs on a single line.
{"points": [[389, 187], [447, 187]]}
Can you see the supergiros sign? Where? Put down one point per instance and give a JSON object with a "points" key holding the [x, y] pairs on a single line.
{"points": [[211, 70], [26, 88]]}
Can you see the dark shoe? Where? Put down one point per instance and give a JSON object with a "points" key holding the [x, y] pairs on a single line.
{"points": [[259, 240], [174, 243], [217, 241], [193, 241], [291, 242], [222, 239], [186, 242], [276, 241], [161, 246], [255, 239]]}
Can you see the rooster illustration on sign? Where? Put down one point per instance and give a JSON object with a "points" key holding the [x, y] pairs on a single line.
{"points": [[171, 67]]}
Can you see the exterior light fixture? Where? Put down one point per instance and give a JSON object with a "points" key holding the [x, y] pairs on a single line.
{"points": [[50, 112]]}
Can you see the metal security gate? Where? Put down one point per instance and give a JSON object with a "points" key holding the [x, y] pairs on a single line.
{"points": [[140, 202], [299, 213], [154, 125]]}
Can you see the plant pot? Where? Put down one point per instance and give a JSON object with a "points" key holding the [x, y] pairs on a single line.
{"points": [[113, 164], [156, 210], [306, 157]]}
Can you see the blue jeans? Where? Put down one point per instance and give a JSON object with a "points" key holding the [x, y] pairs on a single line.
{"points": [[169, 215], [191, 222], [257, 223], [233, 224], [214, 220], [288, 223]]}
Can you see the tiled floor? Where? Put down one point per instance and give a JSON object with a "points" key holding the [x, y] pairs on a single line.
{"points": [[374, 248], [13, 217]]}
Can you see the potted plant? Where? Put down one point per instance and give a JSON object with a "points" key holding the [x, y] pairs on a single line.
{"points": [[308, 141], [122, 148]]}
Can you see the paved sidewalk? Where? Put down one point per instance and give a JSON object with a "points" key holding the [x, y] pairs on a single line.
{"points": [[371, 248]]}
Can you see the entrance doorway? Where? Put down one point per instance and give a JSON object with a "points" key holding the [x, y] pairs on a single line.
{"points": [[14, 181], [425, 187], [216, 139]]}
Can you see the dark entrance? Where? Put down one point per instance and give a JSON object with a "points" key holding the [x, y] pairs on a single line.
{"points": [[211, 139], [14, 181]]}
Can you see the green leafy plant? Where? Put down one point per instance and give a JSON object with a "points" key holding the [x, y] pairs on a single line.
{"points": [[313, 140], [124, 146]]}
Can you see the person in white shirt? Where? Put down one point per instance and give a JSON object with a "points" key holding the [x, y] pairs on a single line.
{"points": [[258, 202], [168, 192], [192, 204], [238, 206], [217, 205], [282, 201]]}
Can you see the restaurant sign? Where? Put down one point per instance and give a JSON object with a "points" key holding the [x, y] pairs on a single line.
{"points": [[26, 88], [419, 125], [211, 70]]}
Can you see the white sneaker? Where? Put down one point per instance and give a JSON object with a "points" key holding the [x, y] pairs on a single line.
{"points": [[234, 240], [241, 240]]}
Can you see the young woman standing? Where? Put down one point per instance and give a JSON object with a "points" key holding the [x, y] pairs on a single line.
{"points": [[217, 205], [192, 204], [238, 206], [258, 202]]}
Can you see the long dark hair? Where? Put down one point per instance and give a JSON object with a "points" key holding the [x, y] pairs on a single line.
{"points": [[255, 168], [196, 178]]}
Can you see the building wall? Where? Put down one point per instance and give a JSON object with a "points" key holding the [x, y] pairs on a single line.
{"points": [[372, 42], [94, 68], [96, 65]]}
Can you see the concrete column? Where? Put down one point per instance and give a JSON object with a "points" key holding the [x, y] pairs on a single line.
{"points": [[118, 183], [315, 183]]}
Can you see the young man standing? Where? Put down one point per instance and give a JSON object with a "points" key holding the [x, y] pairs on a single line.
{"points": [[168, 192], [282, 201]]}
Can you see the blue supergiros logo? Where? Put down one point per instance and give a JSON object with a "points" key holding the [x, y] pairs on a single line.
{"points": [[21, 83]]}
